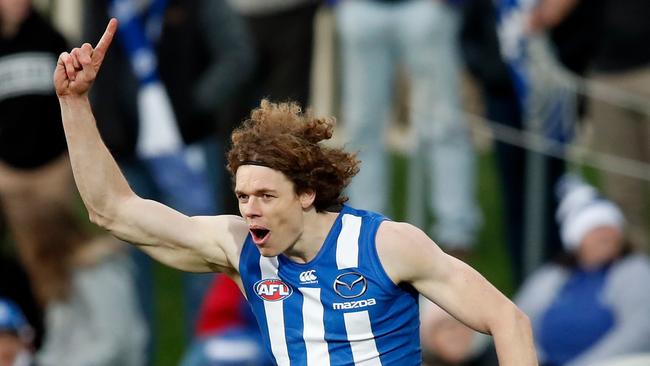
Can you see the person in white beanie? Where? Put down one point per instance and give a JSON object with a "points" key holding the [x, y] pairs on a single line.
{"points": [[594, 304]]}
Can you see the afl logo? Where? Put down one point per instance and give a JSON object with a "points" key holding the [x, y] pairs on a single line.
{"points": [[350, 285], [272, 289]]}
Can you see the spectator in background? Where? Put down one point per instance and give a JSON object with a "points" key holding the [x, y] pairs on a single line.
{"points": [[448, 342], [15, 285], [30, 128], [480, 50], [203, 56], [75, 276], [92, 314], [593, 305], [3, 226], [570, 25], [421, 35], [15, 336], [226, 333], [622, 62], [283, 33]]}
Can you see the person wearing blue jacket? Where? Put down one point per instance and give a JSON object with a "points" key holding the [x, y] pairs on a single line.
{"points": [[592, 305]]}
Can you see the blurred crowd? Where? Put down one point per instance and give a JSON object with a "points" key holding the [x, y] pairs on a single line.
{"points": [[561, 89]]}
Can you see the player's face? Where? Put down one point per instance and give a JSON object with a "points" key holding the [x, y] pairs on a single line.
{"points": [[271, 207]]}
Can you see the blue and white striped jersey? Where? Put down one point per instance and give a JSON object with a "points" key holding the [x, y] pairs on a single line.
{"points": [[340, 308]]}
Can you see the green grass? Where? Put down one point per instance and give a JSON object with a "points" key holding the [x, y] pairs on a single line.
{"points": [[169, 317], [491, 257]]}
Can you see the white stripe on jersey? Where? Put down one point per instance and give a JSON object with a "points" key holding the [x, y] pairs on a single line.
{"points": [[269, 267], [275, 315], [362, 341], [347, 244], [314, 327], [357, 324]]}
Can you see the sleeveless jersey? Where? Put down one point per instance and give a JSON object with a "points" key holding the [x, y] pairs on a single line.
{"points": [[341, 308]]}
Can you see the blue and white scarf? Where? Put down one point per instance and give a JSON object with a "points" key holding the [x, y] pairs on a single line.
{"points": [[546, 98], [159, 143]]}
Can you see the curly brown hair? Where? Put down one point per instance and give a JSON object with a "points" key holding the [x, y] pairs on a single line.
{"points": [[282, 137]]}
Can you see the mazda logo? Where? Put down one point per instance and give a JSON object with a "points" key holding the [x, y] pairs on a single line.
{"points": [[350, 285]]}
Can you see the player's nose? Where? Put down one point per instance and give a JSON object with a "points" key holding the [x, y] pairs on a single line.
{"points": [[251, 208]]}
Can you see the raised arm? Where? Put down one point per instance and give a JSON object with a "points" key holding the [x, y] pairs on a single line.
{"points": [[408, 255], [197, 244]]}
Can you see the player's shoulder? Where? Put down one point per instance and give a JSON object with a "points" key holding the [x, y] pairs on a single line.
{"points": [[403, 240], [229, 222], [230, 227], [228, 232], [394, 233], [403, 248]]}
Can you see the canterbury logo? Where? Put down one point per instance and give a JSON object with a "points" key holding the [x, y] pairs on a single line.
{"points": [[308, 276]]}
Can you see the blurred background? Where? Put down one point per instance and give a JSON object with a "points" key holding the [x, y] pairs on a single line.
{"points": [[516, 133]]}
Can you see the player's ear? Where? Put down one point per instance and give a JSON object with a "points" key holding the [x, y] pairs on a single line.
{"points": [[307, 198]]}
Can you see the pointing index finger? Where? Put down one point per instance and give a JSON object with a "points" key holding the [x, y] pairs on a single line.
{"points": [[105, 41]]}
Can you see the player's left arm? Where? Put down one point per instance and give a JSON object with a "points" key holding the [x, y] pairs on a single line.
{"points": [[409, 255]]}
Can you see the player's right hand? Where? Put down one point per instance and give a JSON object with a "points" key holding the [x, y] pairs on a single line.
{"points": [[76, 71]]}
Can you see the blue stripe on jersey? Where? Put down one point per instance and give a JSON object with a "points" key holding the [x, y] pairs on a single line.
{"points": [[383, 320], [294, 328], [253, 270]]}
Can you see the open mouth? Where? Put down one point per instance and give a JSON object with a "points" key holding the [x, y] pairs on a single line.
{"points": [[259, 234]]}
